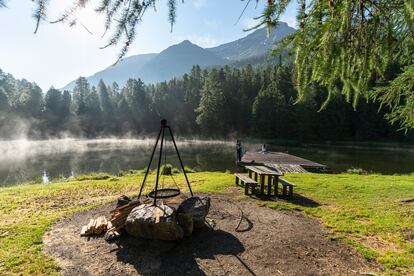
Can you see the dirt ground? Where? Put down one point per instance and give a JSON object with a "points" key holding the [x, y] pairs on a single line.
{"points": [[269, 242]]}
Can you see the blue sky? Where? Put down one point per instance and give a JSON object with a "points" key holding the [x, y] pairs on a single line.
{"points": [[57, 54]]}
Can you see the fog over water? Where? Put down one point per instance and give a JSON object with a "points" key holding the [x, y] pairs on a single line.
{"points": [[21, 149], [24, 160]]}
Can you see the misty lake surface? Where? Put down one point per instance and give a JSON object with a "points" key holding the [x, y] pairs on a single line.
{"points": [[23, 160]]}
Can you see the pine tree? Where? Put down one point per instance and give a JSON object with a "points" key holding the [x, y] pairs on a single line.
{"points": [[66, 104], [105, 102], [269, 112], [80, 92], [53, 102], [9, 86], [30, 100], [306, 118], [124, 116], [134, 93], [211, 106], [93, 113], [4, 113], [4, 102]]}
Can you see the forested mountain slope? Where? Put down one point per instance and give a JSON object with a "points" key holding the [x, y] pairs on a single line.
{"points": [[178, 59], [224, 102]]}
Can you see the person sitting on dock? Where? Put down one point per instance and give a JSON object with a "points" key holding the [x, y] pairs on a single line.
{"points": [[239, 149]]}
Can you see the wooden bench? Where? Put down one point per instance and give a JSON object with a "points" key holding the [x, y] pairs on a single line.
{"points": [[285, 185], [247, 181]]}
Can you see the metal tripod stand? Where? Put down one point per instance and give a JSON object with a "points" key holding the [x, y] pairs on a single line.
{"points": [[166, 193]]}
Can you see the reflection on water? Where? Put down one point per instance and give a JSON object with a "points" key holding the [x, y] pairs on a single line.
{"points": [[45, 178], [25, 160]]}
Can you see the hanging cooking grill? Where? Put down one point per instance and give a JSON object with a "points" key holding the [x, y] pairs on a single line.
{"points": [[160, 193]]}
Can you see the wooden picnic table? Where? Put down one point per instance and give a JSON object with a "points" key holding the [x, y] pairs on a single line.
{"points": [[262, 172]]}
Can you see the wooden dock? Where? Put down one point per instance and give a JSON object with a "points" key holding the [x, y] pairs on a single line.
{"points": [[281, 161]]}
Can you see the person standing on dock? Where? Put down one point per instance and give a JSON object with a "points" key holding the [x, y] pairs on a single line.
{"points": [[264, 148], [239, 149]]}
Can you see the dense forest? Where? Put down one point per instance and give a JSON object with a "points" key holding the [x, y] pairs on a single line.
{"points": [[218, 102]]}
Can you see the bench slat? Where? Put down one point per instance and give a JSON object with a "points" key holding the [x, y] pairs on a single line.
{"points": [[269, 171], [285, 182], [245, 178]]}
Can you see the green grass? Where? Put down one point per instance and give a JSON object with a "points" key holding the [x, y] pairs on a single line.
{"points": [[27, 212], [363, 210]]}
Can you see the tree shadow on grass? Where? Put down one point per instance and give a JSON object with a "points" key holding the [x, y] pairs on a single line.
{"points": [[151, 257], [296, 199], [300, 200]]}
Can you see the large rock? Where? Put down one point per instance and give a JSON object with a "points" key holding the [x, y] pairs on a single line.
{"points": [[154, 222], [186, 222], [198, 207]]}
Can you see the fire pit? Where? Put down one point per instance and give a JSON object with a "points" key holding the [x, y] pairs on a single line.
{"points": [[164, 221], [157, 216]]}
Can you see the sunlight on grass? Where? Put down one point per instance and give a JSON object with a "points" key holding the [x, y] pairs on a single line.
{"points": [[365, 211], [27, 211], [362, 210]]}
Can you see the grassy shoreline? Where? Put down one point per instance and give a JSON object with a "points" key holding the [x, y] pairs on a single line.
{"points": [[363, 210]]}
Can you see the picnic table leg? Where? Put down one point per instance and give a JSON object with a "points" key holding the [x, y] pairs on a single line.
{"points": [[284, 190], [237, 181], [246, 188], [255, 176], [262, 182], [290, 191], [250, 173], [269, 185], [276, 183]]}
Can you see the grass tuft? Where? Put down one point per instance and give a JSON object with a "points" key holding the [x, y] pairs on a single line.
{"points": [[93, 176]]}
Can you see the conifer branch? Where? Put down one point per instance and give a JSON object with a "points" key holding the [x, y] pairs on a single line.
{"points": [[39, 12]]}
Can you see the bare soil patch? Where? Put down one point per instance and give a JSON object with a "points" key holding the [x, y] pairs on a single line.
{"points": [[380, 244], [269, 242]]}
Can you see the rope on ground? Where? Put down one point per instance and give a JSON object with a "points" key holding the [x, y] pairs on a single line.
{"points": [[241, 218]]}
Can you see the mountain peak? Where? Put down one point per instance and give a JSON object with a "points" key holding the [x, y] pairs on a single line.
{"points": [[185, 49], [178, 59], [186, 42]]}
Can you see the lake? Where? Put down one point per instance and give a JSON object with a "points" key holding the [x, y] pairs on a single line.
{"points": [[24, 160]]}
